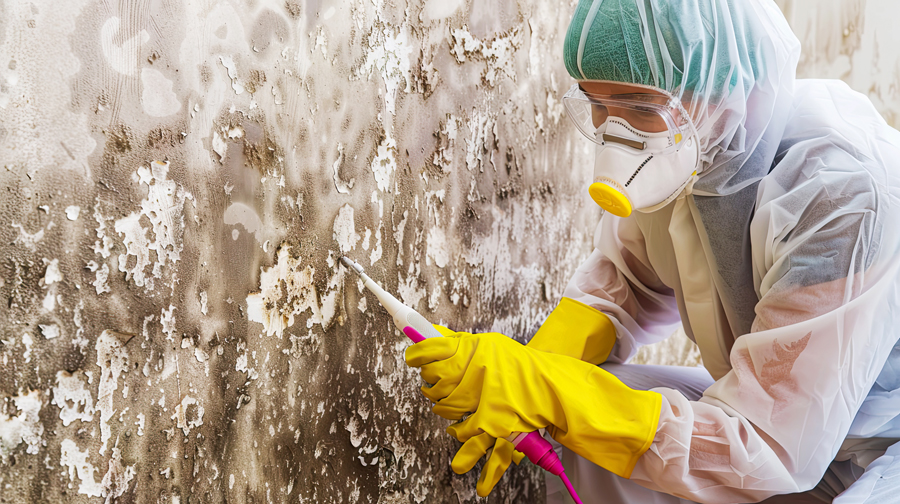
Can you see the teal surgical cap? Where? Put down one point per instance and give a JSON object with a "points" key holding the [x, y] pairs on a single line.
{"points": [[715, 56]]}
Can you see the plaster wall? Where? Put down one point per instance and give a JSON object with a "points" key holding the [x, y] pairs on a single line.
{"points": [[179, 179]]}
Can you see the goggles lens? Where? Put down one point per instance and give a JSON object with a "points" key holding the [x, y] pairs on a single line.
{"points": [[656, 114]]}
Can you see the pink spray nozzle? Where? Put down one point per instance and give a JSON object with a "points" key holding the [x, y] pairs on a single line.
{"points": [[539, 451]]}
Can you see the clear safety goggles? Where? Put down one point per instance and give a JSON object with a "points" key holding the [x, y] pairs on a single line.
{"points": [[653, 123]]}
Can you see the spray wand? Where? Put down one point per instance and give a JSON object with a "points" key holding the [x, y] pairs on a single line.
{"points": [[538, 450]]}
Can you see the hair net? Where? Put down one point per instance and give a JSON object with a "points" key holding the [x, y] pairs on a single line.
{"points": [[730, 62]]}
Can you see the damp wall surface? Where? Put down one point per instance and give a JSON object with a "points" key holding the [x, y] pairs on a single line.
{"points": [[179, 180]]}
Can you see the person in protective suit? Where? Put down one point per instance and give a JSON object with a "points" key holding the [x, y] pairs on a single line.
{"points": [[760, 212]]}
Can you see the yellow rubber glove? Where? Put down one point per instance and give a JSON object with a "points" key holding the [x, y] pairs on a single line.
{"points": [[577, 330], [502, 452], [573, 329], [509, 388], [498, 461]]}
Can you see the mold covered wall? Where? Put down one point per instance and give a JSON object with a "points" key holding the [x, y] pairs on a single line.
{"points": [[179, 179]]}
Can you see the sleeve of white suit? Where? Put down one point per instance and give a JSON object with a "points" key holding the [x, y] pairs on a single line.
{"points": [[617, 279], [825, 264]]}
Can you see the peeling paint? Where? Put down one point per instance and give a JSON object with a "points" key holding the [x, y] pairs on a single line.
{"points": [[113, 361], [287, 290], [188, 415], [163, 209], [77, 465], [25, 427], [73, 399]]}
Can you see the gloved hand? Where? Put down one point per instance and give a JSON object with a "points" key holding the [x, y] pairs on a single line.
{"points": [[573, 329], [577, 330], [497, 462], [513, 388]]}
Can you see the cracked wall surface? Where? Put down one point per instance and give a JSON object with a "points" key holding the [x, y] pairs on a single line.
{"points": [[180, 178]]}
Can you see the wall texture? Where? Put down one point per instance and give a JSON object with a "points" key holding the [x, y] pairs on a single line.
{"points": [[179, 179]]}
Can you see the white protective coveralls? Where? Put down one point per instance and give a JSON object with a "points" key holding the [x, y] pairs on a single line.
{"points": [[782, 262]]}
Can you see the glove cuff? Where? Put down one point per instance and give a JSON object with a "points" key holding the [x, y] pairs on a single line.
{"points": [[613, 426], [576, 330]]}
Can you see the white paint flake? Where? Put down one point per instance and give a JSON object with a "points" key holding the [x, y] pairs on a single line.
{"points": [[437, 248], [101, 277], [117, 478], [76, 461], [385, 163], [391, 58], [187, 417], [157, 96], [220, 147], [345, 229], [52, 275], [28, 239], [229, 65], [74, 401], [464, 43], [167, 319], [204, 304], [27, 342], [239, 213], [339, 184], [72, 212], [104, 243], [25, 427], [409, 290], [141, 420], [113, 361], [49, 331]]}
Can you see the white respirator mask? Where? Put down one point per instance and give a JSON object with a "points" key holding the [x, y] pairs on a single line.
{"points": [[647, 148], [626, 179]]}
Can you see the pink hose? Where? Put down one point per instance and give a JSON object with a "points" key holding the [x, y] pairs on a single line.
{"points": [[571, 490]]}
